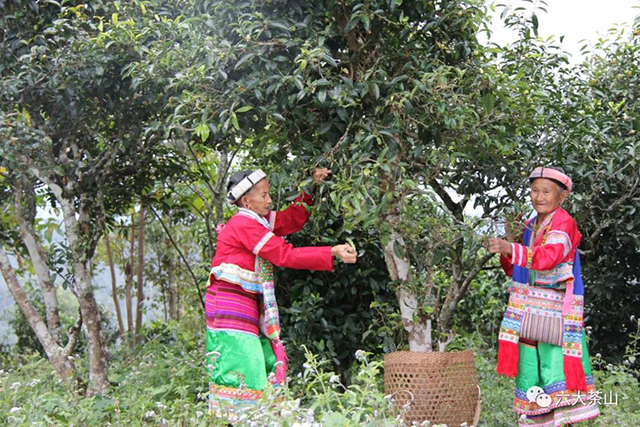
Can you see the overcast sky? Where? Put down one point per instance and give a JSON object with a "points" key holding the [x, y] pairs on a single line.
{"points": [[576, 20]]}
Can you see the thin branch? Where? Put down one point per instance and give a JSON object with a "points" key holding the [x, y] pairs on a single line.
{"points": [[330, 152], [114, 288], [204, 200], [175, 245], [205, 178], [473, 273], [492, 267], [453, 207], [74, 331], [605, 223]]}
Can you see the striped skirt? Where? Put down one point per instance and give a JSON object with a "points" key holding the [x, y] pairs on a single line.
{"points": [[542, 398], [240, 362]]}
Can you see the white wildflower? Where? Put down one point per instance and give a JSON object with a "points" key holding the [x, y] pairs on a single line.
{"points": [[335, 379], [150, 414], [16, 385], [34, 382], [361, 356], [310, 417], [296, 403], [14, 410], [199, 414], [598, 355], [285, 413], [159, 405]]}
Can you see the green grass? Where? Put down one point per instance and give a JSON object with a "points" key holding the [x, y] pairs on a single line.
{"points": [[164, 384], [498, 391]]}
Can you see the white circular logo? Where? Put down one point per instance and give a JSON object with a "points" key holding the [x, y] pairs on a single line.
{"points": [[537, 395]]}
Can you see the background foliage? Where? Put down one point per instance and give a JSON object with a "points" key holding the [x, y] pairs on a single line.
{"points": [[429, 133]]}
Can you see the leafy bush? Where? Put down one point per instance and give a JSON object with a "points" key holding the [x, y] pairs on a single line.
{"points": [[333, 312], [325, 400], [482, 309], [164, 384]]}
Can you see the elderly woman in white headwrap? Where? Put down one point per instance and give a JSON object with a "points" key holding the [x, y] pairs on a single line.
{"points": [[244, 349]]}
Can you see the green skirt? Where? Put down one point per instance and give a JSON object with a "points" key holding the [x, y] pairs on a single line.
{"points": [[542, 398], [240, 365]]}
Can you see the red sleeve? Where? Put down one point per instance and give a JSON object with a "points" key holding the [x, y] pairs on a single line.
{"points": [[265, 244], [283, 254], [505, 262], [291, 219], [561, 239]]}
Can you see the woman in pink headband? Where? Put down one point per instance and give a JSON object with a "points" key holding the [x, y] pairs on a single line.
{"points": [[542, 342]]}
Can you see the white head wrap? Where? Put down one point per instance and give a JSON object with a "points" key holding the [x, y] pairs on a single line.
{"points": [[241, 188]]}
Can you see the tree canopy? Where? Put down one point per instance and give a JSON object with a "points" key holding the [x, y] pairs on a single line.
{"points": [[429, 132]]}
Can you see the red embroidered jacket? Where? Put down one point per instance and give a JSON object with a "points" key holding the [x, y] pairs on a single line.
{"points": [[247, 235], [552, 254]]}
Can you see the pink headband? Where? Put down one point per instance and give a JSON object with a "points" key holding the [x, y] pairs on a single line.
{"points": [[549, 173]]}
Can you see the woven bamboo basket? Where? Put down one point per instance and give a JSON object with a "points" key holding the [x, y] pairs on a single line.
{"points": [[436, 387]]}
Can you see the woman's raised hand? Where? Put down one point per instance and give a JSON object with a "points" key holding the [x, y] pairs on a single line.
{"points": [[499, 246], [345, 252], [320, 174]]}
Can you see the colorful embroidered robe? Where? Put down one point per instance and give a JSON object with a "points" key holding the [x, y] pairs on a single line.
{"points": [[548, 258], [546, 280], [243, 342]]}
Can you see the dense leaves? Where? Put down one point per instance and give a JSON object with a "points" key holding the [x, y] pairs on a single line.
{"points": [[430, 136], [598, 139]]}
